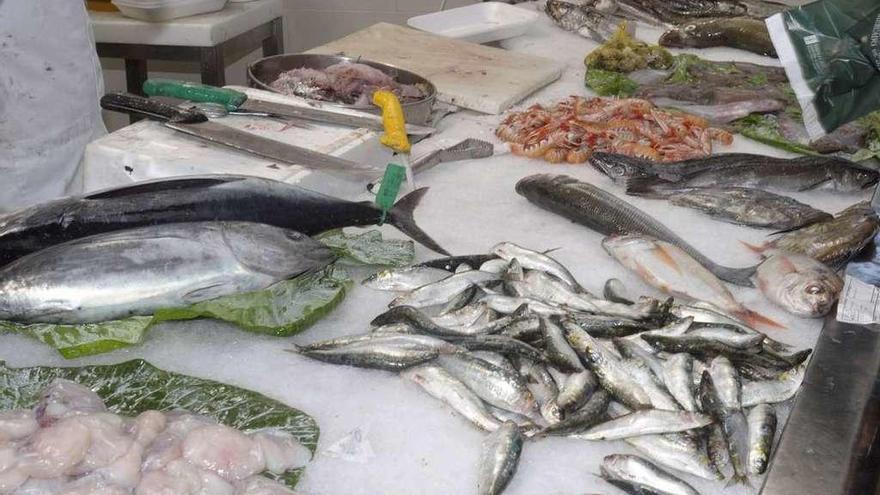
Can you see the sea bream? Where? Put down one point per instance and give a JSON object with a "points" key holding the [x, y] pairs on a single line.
{"points": [[603, 212], [194, 199], [799, 284], [137, 271], [670, 269]]}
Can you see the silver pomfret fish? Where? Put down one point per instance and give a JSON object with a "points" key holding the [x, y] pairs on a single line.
{"points": [[137, 271]]}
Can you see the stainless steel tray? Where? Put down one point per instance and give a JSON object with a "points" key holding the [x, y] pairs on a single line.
{"points": [[264, 71]]}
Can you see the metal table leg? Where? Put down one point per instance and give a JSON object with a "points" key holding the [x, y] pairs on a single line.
{"points": [[274, 45], [212, 68], [135, 75]]}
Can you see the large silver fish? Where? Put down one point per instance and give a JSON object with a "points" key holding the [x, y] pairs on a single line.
{"points": [[135, 272], [607, 214]]}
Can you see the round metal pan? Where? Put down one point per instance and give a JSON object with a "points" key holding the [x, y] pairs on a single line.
{"points": [[266, 70]]}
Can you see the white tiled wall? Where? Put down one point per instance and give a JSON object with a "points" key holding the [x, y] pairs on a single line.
{"points": [[307, 23]]}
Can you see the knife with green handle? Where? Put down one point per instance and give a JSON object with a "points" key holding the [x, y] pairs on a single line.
{"points": [[196, 124], [238, 102]]}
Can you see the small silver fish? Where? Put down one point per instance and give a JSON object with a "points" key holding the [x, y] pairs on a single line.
{"points": [[444, 291], [534, 260], [799, 284], [387, 352], [773, 391], [543, 387], [441, 385], [507, 304], [726, 381], [403, 279], [762, 430], [733, 424], [559, 352], [678, 377], [636, 475], [613, 376], [678, 451], [646, 422], [494, 385], [651, 384], [718, 450], [576, 390], [499, 459], [578, 421]]}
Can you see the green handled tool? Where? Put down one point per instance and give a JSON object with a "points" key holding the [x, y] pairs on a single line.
{"points": [[237, 102]]}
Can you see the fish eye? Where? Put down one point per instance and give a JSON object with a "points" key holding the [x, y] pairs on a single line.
{"points": [[690, 27], [813, 289], [619, 170]]}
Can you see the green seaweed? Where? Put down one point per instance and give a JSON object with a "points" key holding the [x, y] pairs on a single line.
{"points": [[608, 83], [133, 387], [765, 129]]}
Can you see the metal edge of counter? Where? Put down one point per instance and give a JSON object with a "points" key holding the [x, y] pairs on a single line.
{"points": [[828, 446]]}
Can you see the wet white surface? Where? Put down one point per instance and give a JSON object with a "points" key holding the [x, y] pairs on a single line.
{"points": [[409, 442]]}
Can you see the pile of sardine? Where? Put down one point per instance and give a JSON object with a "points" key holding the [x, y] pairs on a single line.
{"points": [[514, 344], [70, 444]]}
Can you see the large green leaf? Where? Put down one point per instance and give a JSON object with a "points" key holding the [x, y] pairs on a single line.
{"points": [[764, 129], [609, 83], [284, 309], [133, 387], [368, 248]]}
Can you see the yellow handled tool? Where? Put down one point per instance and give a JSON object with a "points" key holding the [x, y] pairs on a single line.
{"points": [[395, 129]]}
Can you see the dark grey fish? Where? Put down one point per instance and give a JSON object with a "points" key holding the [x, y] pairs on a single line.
{"points": [[739, 205], [609, 215], [743, 170], [193, 199], [736, 32]]}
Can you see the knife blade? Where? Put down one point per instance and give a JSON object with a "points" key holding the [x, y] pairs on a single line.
{"points": [[197, 124], [237, 101]]}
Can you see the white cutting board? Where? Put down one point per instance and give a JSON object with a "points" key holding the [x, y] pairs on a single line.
{"points": [[468, 75]]}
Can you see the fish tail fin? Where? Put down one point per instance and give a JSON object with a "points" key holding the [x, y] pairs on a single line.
{"points": [[736, 276], [753, 248], [754, 319], [738, 479], [649, 187], [401, 216]]}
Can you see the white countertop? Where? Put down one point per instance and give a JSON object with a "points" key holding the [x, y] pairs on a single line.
{"points": [[411, 442], [209, 29]]}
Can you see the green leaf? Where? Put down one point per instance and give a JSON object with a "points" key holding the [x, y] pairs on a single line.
{"points": [[608, 83], [765, 129], [283, 309], [133, 387], [368, 248], [74, 341]]}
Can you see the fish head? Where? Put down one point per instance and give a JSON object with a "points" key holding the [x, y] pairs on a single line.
{"points": [[558, 9], [616, 168], [810, 289], [678, 38], [853, 178]]}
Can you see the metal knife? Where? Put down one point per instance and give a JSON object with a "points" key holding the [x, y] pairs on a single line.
{"points": [[238, 102], [197, 124]]}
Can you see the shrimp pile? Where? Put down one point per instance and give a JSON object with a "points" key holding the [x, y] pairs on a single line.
{"points": [[573, 129]]}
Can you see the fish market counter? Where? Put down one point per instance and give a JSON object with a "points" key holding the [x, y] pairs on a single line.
{"points": [[383, 435]]}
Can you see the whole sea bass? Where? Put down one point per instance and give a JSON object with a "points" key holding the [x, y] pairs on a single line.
{"points": [[194, 199], [741, 170], [609, 215], [135, 272]]}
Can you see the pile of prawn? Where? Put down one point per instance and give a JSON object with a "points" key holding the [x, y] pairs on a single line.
{"points": [[573, 129]]}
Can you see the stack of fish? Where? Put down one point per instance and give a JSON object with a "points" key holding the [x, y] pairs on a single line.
{"points": [[513, 343]]}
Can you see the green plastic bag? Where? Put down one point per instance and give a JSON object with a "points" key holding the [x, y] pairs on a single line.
{"points": [[831, 53]]}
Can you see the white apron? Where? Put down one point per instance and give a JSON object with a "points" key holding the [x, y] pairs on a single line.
{"points": [[50, 84]]}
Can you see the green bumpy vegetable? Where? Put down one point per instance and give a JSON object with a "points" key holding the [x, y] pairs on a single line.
{"points": [[133, 387], [608, 83], [623, 53]]}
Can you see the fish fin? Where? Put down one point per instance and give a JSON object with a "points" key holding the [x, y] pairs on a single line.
{"points": [[205, 293], [666, 258], [401, 216], [736, 276], [754, 248], [648, 187], [548, 251], [160, 185], [738, 479], [754, 319]]}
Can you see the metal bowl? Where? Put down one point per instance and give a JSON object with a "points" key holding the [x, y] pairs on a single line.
{"points": [[265, 71]]}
